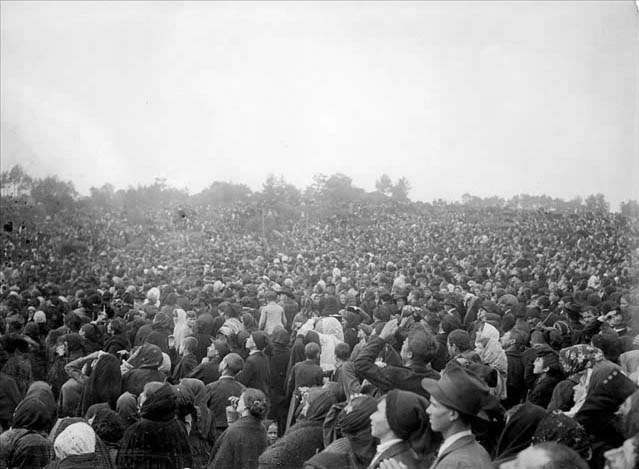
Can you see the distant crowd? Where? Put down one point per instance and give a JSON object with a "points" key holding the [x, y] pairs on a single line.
{"points": [[381, 337]]}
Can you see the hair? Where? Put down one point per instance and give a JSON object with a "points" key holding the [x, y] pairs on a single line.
{"points": [[256, 402], [342, 351], [190, 344], [118, 326], [561, 456], [72, 321], [234, 363], [422, 344], [312, 351], [271, 296], [461, 339]]}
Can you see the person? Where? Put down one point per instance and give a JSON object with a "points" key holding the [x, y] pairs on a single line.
{"points": [[278, 364], [104, 383], [219, 392], [548, 371], [302, 440], [256, 372], [513, 344], [344, 373], [75, 448], [548, 455], [355, 450], [575, 361], [241, 444], [518, 432], [188, 361], [208, 370], [417, 351], [401, 425], [25, 444], [307, 373], [272, 314], [455, 400], [141, 368], [157, 440]]}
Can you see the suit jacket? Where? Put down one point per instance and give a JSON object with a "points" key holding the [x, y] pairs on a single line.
{"points": [[465, 453], [401, 452]]}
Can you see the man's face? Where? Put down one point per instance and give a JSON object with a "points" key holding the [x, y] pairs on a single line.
{"points": [[587, 317], [250, 343], [439, 415]]}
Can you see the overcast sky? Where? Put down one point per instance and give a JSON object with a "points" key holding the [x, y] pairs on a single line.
{"points": [[490, 98]]}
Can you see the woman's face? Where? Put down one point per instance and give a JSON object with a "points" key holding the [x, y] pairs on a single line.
{"points": [[538, 366], [379, 423], [241, 405], [271, 433]]}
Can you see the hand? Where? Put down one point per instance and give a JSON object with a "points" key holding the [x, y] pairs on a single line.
{"points": [[390, 328], [392, 464]]}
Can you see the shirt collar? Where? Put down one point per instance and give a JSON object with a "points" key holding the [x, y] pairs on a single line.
{"points": [[452, 439]]}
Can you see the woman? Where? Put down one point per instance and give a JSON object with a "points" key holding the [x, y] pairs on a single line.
{"points": [[278, 363], [548, 371], [492, 354], [104, 384], [181, 329], [75, 448], [241, 444], [67, 348], [302, 440], [157, 440], [357, 448], [574, 360], [25, 445], [193, 412], [518, 432], [92, 336], [142, 368], [118, 339]]}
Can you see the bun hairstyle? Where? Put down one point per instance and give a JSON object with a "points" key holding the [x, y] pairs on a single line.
{"points": [[256, 403]]}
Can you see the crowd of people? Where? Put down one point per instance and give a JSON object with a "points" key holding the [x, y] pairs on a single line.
{"points": [[384, 337]]}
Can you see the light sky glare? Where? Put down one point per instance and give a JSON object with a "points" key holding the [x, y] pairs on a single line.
{"points": [[490, 98]]}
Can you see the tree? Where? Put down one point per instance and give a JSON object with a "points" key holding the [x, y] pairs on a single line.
{"points": [[597, 203], [16, 181], [400, 189], [630, 209], [53, 194], [384, 184]]}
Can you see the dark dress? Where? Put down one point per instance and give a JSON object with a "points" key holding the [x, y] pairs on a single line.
{"points": [[240, 446], [158, 440], [256, 373]]}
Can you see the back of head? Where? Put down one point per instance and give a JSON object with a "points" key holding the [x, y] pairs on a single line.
{"points": [[256, 403], [78, 438], [342, 351], [461, 339], [234, 363], [190, 344], [312, 351], [422, 344], [551, 455]]}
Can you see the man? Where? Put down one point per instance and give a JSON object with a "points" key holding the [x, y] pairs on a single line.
{"points": [[272, 314], [208, 370], [218, 393], [419, 348], [307, 373], [344, 373], [513, 344], [256, 373], [456, 399]]}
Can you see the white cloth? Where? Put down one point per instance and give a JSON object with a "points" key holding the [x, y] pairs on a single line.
{"points": [[77, 438]]}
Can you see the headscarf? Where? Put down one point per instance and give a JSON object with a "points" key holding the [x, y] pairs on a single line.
{"points": [[147, 356], [356, 427], [578, 358], [104, 384], [32, 414], [280, 336], [559, 428], [608, 388], [519, 430], [181, 328], [487, 331], [320, 405], [493, 354], [127, 408], [198, 391], [160, 405], [77, 438], [406, 415], [330, 326], [106, 423]]}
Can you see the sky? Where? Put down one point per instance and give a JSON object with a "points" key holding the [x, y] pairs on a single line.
{"points": [[486, 98]]}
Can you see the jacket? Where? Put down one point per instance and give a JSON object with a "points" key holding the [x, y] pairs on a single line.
{"points": [[464, 453], [400, 452]]}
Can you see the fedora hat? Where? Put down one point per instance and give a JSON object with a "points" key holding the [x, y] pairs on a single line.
{"points": [[459, 389]]}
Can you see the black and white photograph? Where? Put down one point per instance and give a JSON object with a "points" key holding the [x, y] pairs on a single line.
{"points": [[319, 234]]}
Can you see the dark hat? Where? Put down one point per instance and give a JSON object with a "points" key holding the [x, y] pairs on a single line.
{"points": [[459, 389], [261, 339], [407, 417], [573, 308]]}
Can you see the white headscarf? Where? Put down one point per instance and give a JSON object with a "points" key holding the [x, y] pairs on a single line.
{"points": [[77, 438], [181, 329]]}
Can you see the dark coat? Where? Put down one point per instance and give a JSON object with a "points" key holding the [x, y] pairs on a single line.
{"points": [[80, 461], [256, 373], [400, 452], [391, 377], [157, 440], [24, 449], [542, 392], [279, 364], [217, 399], [515, 383], [206, 372], [304, 374], [186, 364], [301, 442], [240, 446], [464, 453], [135, 380], [9, 398]]}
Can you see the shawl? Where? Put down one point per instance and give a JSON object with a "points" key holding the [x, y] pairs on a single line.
{"points": [[147, 356], [240, 445], [299, 443], [32, 414], [519, 431], [559, 428], [630, 363], [356, 427], [197, 389], [406, 415], [181, 329], [104, 384], [78, 438], [330, 326], [578, 358]]}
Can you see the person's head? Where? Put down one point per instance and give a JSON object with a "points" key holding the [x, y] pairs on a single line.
{"points": [[380, 428], [272, 433], [191, 319], [253, 402], [231, 364], [548, 455], [189, 345], [342, 351], [588, 315], [312, 351], [77, 439], [512, 340], [217, 350], [420, 346], [458, 341], [149, 389], [258, 340], [271, 297]]}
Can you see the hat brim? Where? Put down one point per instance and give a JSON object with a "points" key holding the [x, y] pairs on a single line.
{"points": [[433, 388]]}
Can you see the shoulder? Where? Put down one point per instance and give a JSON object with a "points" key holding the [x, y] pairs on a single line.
{"points": [[469, 455]]}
